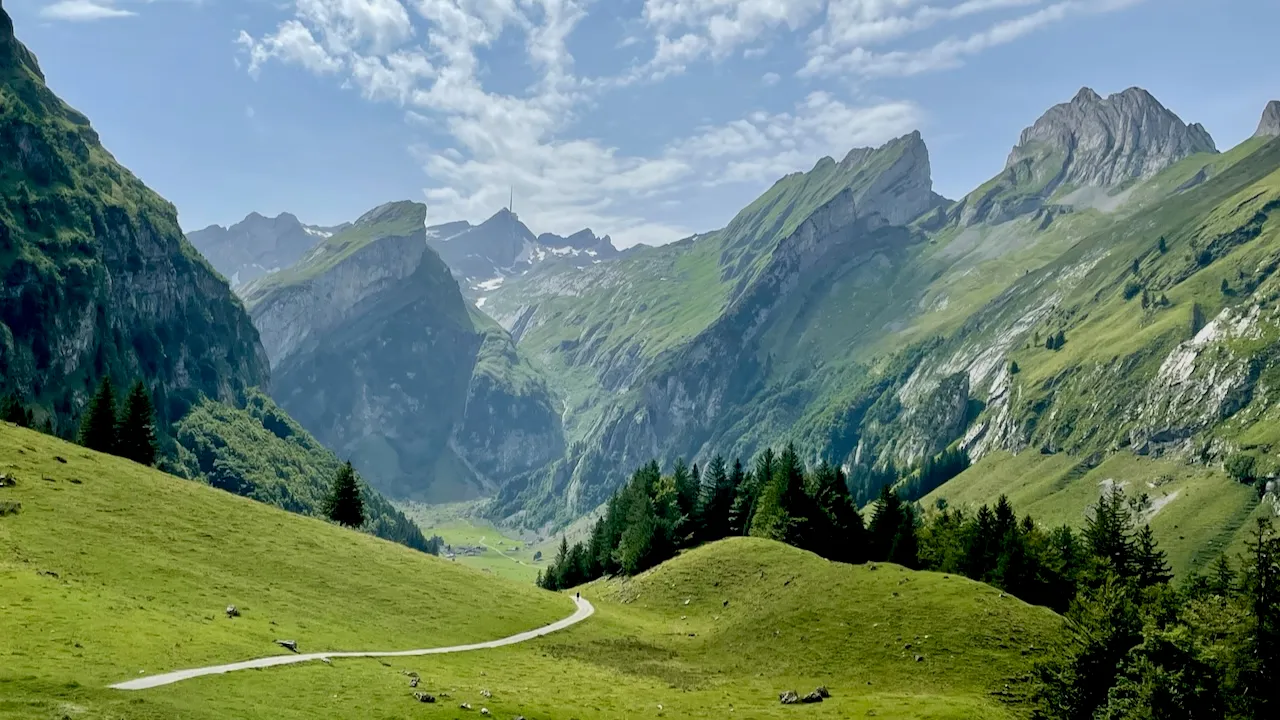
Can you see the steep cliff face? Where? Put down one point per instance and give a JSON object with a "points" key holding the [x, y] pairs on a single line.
{"points": [[297, 306], [257, 245], [98, 278], [377, 354], [1081, 147], [1269, 126]]}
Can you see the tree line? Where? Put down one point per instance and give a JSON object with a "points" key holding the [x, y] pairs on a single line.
{"points": [[128, 431], [1134, 645]]}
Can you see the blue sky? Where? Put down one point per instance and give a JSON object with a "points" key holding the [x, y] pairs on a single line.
{"points": [[645, 119]]}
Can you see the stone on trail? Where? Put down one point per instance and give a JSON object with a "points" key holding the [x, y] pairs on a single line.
{"points": [[233, 611], [288, 644], [789, 698], [424, 697]]}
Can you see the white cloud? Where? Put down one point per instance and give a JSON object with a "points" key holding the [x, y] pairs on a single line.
{"points": [[83, 11], [841, 45], [292, 42], [425, 56], [765, 146], [249, 112]]}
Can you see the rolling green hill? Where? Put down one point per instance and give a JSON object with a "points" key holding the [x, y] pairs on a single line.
{"points": [[109, 569]]}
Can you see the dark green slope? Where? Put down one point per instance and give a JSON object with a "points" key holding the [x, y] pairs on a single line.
{"points": [[98, 278], [262, 453]]}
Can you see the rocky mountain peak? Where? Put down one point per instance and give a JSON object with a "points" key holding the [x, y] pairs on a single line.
{"points": [[1103, 142], [395, 211], [1270, 125], [1086, 96], [893, 181]]}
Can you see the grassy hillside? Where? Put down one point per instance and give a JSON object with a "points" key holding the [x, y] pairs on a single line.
{"points": [[260, 452], [109, 570], [793, 621]]}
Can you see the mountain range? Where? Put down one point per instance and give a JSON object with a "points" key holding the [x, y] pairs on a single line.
{"points": [[849, 308], [257, 245], [1108, 297]]}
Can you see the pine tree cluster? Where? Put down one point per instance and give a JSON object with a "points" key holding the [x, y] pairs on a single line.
{"points": [[654, 515], [129, 431]]}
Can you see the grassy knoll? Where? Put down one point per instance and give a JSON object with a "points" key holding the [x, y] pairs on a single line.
{"points": [[145, 564]]}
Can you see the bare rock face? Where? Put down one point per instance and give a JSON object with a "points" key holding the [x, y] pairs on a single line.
{"points": [[1090, 142], [1270, 125], [1105, 142]]}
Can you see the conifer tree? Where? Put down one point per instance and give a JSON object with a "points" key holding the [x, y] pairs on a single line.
{"points": [[783, 511], [743, 499], [98, 429], [1109, 532], [716, 500], [1150, 561], [639, 547], [841, 535], [344, 504], [1223, 580], [886, 522], [1261, 664], [13, 411], [686, 488], [136, 439]]}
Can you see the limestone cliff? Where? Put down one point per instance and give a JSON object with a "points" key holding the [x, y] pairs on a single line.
{"points": [[378, 355], [1269, 126]]}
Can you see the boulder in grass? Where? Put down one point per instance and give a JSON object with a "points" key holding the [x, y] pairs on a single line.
{"points": [[789, 697], [413, 682], [823, 691], [288, 644], [813, 697], [424, 697], [233, 611]]}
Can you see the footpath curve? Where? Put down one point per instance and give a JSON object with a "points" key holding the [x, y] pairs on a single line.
{"points": [[584, 611]]}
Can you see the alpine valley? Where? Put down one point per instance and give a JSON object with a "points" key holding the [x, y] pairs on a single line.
{"points": [[1011, 455], [1102, 311]]}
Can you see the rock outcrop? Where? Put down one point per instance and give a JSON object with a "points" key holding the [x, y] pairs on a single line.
{"points": [[98, 278], [377, 354], [1270, 124], [257, 245], [1088, 143]]}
